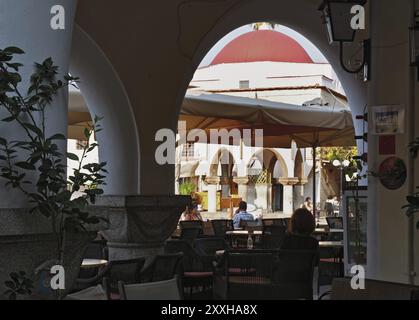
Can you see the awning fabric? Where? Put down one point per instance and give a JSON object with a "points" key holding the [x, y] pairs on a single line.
{"points": [[281, 123]]}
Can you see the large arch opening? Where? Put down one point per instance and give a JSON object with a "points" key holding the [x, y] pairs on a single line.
{"points": [[274, 63], [102, 93]]}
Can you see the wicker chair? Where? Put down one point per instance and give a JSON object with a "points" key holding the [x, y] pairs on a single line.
{"points": [[163, 267], [162, 290], [273, 236], [191, 230], [122, 270], [245, 275], [96, 249], [210, 246], [197, 269], [272, 222], [220, 227], [293, 274]]}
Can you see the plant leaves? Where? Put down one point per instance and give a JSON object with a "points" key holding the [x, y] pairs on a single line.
{"points": [[73, 156], [58, 136], [25, 165], [13, 50], [34, 129]]}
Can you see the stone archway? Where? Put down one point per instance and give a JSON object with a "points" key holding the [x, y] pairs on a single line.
{"points": [[106, 97], [221, 171], [302, 180], [309, 26], [268, 185]]}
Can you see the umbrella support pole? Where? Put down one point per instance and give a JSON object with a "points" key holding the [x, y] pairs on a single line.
{"points": [[314, 182]]}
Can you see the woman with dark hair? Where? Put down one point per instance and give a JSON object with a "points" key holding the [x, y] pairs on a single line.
{"points": [[301, 227], [191, 213]]}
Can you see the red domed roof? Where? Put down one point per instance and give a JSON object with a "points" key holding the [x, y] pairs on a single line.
{"points": [[262, 45]]}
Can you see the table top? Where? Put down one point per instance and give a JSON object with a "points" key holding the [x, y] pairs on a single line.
{"points": [[93, 263], [243, 232], [331, 244], [323, 230]]}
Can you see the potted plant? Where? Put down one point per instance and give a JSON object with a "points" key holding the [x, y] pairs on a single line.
{"points": [[53, 231]]}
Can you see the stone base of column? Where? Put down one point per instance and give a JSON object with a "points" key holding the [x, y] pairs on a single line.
{"points": [[139, 225]]}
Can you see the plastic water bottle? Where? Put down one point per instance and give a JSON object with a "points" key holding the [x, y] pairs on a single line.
{"points": [[250, 242]]}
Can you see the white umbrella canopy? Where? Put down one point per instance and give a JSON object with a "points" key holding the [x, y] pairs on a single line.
{"points": [[281, 123]]}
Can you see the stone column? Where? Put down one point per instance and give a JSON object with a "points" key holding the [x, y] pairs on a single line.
{"points": [[139, 225], [393, 82], [288, 183], [264, 196], [225, 187], [299, 193], [242, 183], [27, 24], [213, 183]]}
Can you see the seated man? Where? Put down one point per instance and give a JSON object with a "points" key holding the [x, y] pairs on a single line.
{"points": [[242, 214]]}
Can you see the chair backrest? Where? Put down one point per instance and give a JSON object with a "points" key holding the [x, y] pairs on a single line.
{"points": [[210, 246], [250, 225], [128, 271], [96, 250], [273, 236], [293, 275], [191, 224], [164, 267], [374, 290], [190, 234], [190, 230], [162, 290], [299, 242], [92, 293], [286, 222], [220, 227], [253, 267], [272, 222], [248, 274], [189, 254], [335, 222], [294, 266]]}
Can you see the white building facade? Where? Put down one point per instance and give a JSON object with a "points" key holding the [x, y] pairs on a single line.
{"points": [[269, 65]]}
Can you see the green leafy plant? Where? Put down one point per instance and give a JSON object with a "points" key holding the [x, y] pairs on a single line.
{"points": [[18, 285], [339, 153], [35, 165], [187, 188]]}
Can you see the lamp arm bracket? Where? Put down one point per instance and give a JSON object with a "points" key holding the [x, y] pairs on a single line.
{"points": [[366, 50]]}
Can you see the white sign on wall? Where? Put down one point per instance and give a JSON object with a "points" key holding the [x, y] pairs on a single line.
{"points": [[388, 120]]}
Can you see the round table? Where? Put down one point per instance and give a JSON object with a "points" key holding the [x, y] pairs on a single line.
{"points": [[93, 263]]}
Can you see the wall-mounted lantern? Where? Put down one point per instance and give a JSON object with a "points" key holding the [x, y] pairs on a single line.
{"points": [[338, 17]]}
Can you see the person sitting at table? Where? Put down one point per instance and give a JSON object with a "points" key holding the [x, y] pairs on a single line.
{"points": [[308, 204], [301, 227], [191, 213], [242, 215], [329, 207]]}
